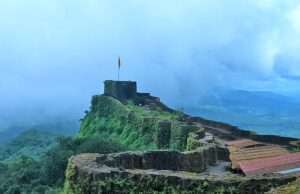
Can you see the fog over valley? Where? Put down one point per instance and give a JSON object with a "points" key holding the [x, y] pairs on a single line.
{"points": [[156, 97], [234, 61]]}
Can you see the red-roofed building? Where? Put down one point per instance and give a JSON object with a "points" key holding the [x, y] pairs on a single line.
{"points": [[284, 164], [247, 149], [241, 143]]}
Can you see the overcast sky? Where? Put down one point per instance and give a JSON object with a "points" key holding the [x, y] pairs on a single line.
{"points": [[55, 54]]}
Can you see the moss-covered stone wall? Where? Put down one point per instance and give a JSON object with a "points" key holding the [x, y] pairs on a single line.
{"points": [[138, 127], [192, 161], [143, 123], [86, 176], [122, 90]]}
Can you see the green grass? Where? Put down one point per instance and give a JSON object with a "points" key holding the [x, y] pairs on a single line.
{"points": [[291, 188], [129, 124]]}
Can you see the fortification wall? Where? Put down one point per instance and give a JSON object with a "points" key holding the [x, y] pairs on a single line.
{"points": [[115, 173], [122, 90], [230, 132], [192, 161]]}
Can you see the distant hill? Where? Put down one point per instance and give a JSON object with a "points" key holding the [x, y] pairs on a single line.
{"points": [[61, 127], [263, 112], [32, 143], [8, 134]]}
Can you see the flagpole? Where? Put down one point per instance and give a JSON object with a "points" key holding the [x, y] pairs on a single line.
{"points": [[119, 68]]}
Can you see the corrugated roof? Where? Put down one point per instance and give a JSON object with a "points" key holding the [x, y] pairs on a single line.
{"points": [[241, 143], [246, 149], [260, 153], [270, 165]]}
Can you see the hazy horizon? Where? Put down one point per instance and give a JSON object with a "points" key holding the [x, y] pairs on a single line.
{"points": [[56, 54]]}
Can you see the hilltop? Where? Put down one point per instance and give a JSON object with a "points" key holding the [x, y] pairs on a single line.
{"points": [[167, 148]]}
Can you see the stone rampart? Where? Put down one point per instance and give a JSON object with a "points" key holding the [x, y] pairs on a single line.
{"points": [[192, 161], [122, 90], [96, 173]]}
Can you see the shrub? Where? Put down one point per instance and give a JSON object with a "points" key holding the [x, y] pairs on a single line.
{"points": [[98, 145]]}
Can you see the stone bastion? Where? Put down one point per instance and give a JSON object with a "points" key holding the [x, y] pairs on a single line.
{"points": [[160, 172]]}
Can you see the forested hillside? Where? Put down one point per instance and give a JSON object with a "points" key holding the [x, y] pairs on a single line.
{"points": [[35, 161]]}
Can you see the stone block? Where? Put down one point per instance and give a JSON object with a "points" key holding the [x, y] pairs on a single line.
{"points": [[122, 90], [163, 134]]}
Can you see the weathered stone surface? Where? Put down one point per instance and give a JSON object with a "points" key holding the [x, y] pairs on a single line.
{"points": [[180, 135], [163, 134], [161, 160], [192, 161], [122, 90], [159, 171], [223, 153], [230, 132], [196, 139], [85, 175]]}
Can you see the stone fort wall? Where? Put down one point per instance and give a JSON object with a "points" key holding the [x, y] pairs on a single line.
{"points": [[158, 172], [122, 90]]}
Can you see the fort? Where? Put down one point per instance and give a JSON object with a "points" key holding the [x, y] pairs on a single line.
{"points": [[153, 172], [184, 154], [122, 90]]}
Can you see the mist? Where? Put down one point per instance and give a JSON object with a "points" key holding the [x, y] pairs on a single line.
{"points": [[55, 54]]}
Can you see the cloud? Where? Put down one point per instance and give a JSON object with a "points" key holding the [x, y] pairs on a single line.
{"points": [[57, 52]]}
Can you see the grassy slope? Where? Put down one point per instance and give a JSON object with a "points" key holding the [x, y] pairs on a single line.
{"points": [[131, 125], [292, 188]]}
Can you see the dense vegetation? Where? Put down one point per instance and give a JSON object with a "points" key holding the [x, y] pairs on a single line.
{"points": [[64, 127], [35, 161], [31, 143], [44, 170], [291, 188], [132, 125]]}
